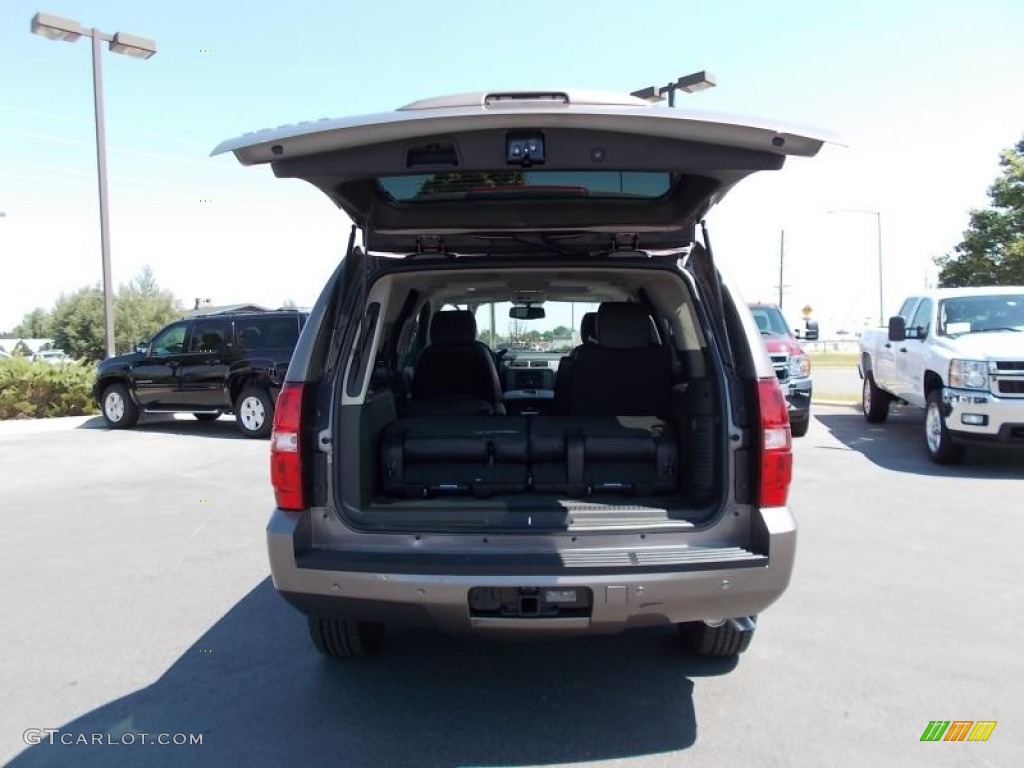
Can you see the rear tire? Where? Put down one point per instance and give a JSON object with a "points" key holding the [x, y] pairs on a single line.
{"points": [[254, 411], [340, 639], [938, 441], [874, 401], [118, 409], [725, 639]]}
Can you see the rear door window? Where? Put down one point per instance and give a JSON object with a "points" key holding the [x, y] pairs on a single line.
{"points": [[209, 335]]}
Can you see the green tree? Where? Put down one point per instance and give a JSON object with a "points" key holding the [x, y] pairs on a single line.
{"points": [[36, 324], [141, 308], [992, 251], [78, 323]]}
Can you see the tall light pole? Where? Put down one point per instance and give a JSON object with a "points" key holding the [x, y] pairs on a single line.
{"points": [[58, 28], [692, 83], [878, 225]]}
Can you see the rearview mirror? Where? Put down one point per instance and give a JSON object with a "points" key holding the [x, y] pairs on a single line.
{"points": [[528, 312], [897, 328], [811, 330], [142, 347]]}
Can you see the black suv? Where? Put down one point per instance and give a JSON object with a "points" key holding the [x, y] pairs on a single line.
{"points": [[228, 362]]}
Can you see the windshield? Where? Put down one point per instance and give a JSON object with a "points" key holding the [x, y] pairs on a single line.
{"points": [[555, 334], [770, 321], [979, 314]]}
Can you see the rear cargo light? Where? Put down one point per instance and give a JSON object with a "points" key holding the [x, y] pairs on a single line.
{"points": [[776, 444], [285, 450]]}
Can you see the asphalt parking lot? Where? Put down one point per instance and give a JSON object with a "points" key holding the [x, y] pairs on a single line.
{"points": [[135, 596]]}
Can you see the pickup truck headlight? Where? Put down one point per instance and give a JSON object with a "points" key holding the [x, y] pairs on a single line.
{"points": [[968, 374], [799, 367]]}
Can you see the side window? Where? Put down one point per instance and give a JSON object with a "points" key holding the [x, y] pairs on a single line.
{"points": [[257, 334], [170, 341], [922, 318], [208, 335], [907, 309]]}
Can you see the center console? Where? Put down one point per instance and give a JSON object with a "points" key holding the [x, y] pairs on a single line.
{"points": [[529, 402]]}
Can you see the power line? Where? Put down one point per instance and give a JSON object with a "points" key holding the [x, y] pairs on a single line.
{"points": [[89, 124], [120, 149]]}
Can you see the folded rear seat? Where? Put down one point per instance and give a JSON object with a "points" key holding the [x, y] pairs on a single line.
{"points": [[478, 455], [581, 455]]}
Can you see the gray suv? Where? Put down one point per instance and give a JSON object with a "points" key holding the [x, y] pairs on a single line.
{"points": [[431, 466]]}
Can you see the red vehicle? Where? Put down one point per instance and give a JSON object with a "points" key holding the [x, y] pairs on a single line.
{"points": [[791, 363]]}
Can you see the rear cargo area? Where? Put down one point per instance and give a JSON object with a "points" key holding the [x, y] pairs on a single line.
{"points": [[625, 430], [540, 471]]}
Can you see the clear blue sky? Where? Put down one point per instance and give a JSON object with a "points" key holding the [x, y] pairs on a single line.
{"points": [[926, 94]]}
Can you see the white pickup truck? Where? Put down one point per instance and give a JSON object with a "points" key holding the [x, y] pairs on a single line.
{"points": [[959, 354]]}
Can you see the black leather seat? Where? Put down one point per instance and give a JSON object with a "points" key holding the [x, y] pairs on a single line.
{"points": [[482, 455], [588, 335], [455, 373], [588, 329], [625, 373]]}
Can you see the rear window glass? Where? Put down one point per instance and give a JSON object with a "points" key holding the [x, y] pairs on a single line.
{"points": [[267, 332], [506, 184]]}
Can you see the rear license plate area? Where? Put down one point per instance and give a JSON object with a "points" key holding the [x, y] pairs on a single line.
{"points": [[530, 602]]}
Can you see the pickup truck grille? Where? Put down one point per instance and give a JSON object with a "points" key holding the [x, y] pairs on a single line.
{"points": [[1008, 378], [781, 365]]}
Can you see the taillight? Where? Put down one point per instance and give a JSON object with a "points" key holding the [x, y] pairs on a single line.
{"points": [[776, 444], [285, 451]]}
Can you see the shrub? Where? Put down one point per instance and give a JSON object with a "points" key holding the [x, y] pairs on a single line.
{"points": [[39, 390]]}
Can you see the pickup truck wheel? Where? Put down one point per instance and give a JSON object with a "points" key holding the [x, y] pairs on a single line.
{"points": [[874, 401], [340, 639], [118, 409], [254, 411], [941, 448], [726, 639], [798, 427]]}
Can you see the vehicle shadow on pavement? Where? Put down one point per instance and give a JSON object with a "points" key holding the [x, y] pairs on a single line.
{"points": [[259, 694], [223, 428], [898, 445]]}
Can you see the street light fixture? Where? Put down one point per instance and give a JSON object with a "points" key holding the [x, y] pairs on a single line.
{"points": [[878, 224], [58, 28], [692, 83]]}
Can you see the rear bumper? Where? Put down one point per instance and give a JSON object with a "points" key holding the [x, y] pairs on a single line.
{"points": [[622, 597], [1003, 418]]}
